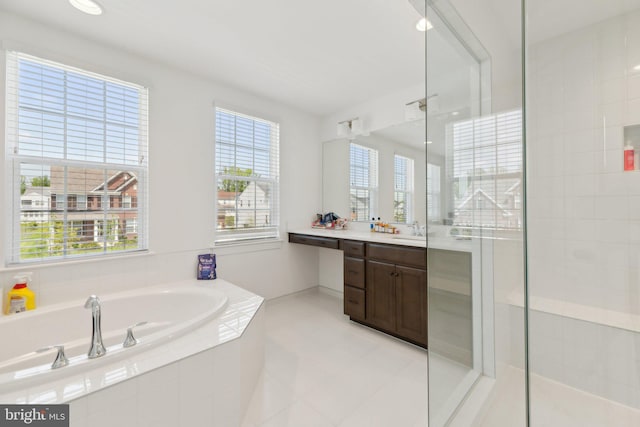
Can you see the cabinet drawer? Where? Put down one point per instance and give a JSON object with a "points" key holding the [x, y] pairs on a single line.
{"points": [[353, 248], [354, 302], [401, 255], [323, 242], [354, 272]]}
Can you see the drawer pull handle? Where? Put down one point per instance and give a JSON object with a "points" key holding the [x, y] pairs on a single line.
{"points": [[353, 272], [354, 302]]}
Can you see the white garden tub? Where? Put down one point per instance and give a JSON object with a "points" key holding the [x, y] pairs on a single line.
{"points": [[171, 312]]}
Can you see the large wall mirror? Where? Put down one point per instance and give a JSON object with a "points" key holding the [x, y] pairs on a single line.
{"points": [[386, 172]]}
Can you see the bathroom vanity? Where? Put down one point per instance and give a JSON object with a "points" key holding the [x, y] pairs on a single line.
{"points": [[385, 278]]}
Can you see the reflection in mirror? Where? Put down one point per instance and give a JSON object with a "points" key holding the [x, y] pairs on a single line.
{"points": [[381, 175]]}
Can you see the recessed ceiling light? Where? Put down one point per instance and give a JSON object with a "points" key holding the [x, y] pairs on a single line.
{"points": [[424, 25], [87, 6], [636, 68], [455, 113], [428, 142]]}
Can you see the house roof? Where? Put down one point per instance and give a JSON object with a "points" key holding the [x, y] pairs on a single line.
{"points": [[481, 192], [227, 195]]}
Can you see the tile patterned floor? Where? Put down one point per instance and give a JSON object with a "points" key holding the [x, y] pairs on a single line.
{"points": [[323, 370]]}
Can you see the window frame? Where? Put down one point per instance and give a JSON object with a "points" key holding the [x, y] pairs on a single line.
{"points": [[17, 160], [371, 189], [408, 192], [271, 229]]}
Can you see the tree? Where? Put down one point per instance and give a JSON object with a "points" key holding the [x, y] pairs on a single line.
{"points": [[41, 181], [234, 185], [23, 185]]}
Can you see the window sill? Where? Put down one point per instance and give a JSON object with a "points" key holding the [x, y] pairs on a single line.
{"points": [[36, 265], [244, 246]]}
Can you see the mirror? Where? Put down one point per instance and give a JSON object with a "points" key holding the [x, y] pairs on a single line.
{"points": [[399, 152], [400, 192]]}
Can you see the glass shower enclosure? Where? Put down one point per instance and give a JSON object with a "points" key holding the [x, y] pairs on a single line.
{"points": [[543, 178]]}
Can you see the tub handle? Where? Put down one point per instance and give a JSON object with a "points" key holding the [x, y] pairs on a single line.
{"points": [[61, 358], [130, 340]]}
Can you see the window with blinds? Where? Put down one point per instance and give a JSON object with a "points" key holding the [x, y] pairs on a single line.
{"points": [[363, 171], [77, 162], [403, 189], [247, 174], [487, 171]]}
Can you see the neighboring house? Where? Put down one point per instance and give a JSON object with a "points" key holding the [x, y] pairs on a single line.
{"points": [[227, 201], [35, 204], [253, 206], [86, 194], [480, 209]]}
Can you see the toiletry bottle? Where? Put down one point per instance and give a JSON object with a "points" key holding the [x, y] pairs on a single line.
{"points": [[20, 298], [628, 157], [371, 225]]}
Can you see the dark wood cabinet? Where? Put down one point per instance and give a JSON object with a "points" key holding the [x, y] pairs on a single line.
{"points": [[385, 285], [396, 300], [323, 242], [354, 272], [411, 303], [381, 295]]}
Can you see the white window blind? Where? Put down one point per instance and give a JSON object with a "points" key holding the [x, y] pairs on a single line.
{"points": [[247, 173], [363, 182], [75, 141], [487, 171], [403, 189]]}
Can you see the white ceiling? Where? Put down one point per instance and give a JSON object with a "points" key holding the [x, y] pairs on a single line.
{"points": [[320, 57], [317, 56]]}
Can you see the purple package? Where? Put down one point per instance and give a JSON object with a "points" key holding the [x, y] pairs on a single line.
{"points": [[206, 267]]}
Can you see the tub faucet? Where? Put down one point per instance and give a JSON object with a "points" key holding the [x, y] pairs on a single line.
{"points": [[97, 347]]}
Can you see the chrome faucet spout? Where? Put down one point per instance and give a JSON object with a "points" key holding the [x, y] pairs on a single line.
{"points": [[97, 348]]}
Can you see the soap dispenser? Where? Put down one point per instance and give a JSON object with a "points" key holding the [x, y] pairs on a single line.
{"points": [[20, 298]]}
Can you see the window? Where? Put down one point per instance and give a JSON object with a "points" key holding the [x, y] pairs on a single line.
{"points": [[363, 171], [131, 226], [247, 174], [403, 189], [487, 171], [81, 201], [76, 137], [434, 210]]}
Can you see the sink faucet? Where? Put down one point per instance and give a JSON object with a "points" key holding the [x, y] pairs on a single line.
{"points": [[416, 230], [97, 347]]}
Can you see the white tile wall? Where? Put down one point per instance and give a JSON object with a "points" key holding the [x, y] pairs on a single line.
{"points": [[584, 210], [213, 387]]}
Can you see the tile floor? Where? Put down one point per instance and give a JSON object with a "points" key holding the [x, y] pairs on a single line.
{"points": [[323, 370], [554, 404]]}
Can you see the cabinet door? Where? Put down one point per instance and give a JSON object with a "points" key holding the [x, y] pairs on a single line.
{"points": [[411, 300], [381, 295]]}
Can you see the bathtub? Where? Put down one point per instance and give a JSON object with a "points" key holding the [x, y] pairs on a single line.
{"points": [[171, 311]]}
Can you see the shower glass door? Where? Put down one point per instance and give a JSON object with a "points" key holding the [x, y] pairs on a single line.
{"points": [[461, 209], [583, 212]]}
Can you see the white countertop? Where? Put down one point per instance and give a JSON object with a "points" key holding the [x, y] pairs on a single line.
{"points": [[446, 243]]}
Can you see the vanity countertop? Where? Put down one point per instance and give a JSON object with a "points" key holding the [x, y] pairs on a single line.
{"points": [[446, 243]]}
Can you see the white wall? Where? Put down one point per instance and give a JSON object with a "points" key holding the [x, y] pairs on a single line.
{"points": [[182, 220]]}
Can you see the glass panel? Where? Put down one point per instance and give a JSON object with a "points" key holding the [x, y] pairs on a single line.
{"points": [[474, 199], [583, 182], [61, 211]]}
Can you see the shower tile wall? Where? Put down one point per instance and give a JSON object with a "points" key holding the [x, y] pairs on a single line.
{"points": [[584, 211]]}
